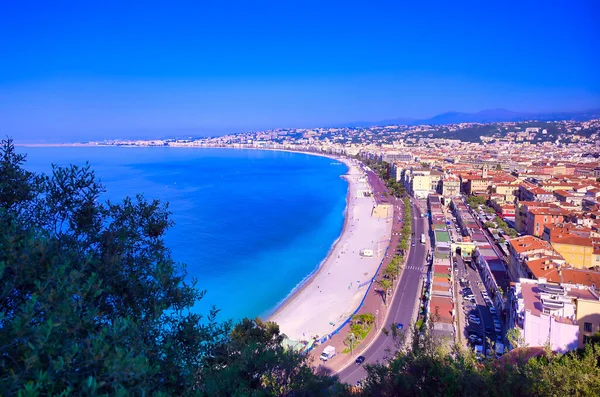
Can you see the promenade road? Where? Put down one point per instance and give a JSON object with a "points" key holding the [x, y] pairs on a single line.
{"points": [[402, 306]]}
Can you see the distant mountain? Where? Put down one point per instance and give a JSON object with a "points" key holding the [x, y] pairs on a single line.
{"points": [[485, 116], [501, 115], [396, 121]]}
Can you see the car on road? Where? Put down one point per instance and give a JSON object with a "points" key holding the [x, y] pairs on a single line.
{"points": [[359, 360], [399, 326], [476, 340]]}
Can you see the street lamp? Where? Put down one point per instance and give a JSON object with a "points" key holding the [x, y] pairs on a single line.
{"points": [[376, 319]]}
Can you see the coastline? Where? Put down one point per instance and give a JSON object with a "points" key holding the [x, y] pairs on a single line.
{"points": [[313, 312], [280, 306], [307, 292]]}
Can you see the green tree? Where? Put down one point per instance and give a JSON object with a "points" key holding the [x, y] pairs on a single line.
{"points": [[365, 319], [350, 342], [510, 231], [516, 338], [474, 201], [432, 369], [386, 285], [392, 270], [403, 244], [91, 302], [253, 361]]}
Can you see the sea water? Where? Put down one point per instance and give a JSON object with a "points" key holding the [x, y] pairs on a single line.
{"points": [[251, 225]]}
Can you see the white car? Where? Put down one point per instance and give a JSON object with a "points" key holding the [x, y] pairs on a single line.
{"points": [[475, 321]]}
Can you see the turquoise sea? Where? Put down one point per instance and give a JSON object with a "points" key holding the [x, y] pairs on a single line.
{"points": [[250, 225]]}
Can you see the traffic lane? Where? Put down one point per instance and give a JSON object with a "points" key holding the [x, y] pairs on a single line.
{"points": [[402, 299], [401, 311], [404, 304], [377, 350], [482, 308]]}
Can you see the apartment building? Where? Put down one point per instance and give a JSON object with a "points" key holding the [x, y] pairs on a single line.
{"points": [[450, 186], [536, 218], [525, 248]]}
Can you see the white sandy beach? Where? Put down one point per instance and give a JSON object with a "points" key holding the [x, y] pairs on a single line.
{"points": [[337, 289]]}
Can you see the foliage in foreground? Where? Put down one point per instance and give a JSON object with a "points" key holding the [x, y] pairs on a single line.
{"points": [[432, 369], [91, 302]]}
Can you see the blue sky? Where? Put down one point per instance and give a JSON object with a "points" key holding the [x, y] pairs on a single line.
{"points": [[91, 70]]}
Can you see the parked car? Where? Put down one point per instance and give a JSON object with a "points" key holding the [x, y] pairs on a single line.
{"points": [[475, 320], [492, 310], [328, 352]]}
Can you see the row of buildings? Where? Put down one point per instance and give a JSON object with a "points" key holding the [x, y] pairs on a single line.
{"points": [[536, 238]]}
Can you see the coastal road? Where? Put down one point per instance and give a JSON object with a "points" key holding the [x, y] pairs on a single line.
{"points": [[402, 306]]}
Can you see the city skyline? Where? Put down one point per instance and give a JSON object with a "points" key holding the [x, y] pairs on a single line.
{"points": [[78, 72]]}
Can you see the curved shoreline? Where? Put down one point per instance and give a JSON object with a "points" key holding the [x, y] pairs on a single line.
{"points": [[293, 294], [314, 312], [353, 177]]}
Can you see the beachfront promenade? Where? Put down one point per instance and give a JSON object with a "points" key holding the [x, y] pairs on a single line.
{"points": [[402, 309], [402, 306], [338, 288]]}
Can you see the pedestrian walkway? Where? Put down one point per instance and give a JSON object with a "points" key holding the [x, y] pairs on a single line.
{"points": [[373, 302]]}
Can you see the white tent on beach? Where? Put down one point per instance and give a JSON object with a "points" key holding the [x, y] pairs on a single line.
{"points": [[366, 252]]}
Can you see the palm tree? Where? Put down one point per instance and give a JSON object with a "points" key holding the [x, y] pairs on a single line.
{"points": [[403, 245], [386, 285], [392, 270], [365, 319]]}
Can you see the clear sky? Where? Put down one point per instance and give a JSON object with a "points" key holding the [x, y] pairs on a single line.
{"points": [[101, 69]]}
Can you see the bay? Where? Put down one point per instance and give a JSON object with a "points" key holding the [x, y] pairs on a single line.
{"points": [[251, 225]]}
